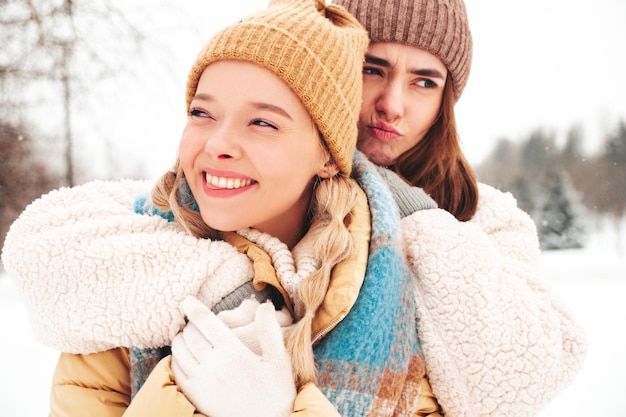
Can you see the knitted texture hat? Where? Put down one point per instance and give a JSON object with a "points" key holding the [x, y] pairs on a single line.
{"points": [[437, 26], [317, 50]]}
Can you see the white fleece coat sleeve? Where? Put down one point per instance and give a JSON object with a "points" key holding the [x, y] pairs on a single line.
{"points": [[496, 341], [95, 275]]}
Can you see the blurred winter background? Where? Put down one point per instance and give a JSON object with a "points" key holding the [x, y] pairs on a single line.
{"points": [[96, 90]]}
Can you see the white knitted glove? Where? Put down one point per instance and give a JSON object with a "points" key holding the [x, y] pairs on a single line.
{"points": [[221, 376], [241, 321], [408, 198]]}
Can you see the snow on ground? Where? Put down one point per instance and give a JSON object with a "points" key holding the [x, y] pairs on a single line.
{"points": [[592, 281]]}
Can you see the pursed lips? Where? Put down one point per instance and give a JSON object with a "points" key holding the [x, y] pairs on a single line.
{"points": [[383, 131]]}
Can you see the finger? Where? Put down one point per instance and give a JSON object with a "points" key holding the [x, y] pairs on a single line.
{"points": [[209, 325], [269, 333], [197, 344], [241, 315], [177, 369], [182, 358], [247, 335], [191, 303]]}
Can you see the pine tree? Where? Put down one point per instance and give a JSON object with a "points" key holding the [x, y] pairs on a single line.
{"points": [[560, 216]]}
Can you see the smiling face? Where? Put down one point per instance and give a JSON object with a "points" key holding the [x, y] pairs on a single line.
{"points": [[250, 151], [402, 93]]}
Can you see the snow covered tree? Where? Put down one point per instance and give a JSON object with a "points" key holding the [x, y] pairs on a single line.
{"points": [[560, 216], [615, 156], [538, 151]]}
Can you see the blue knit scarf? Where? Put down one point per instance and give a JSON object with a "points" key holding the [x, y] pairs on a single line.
{"points": [[371, 363]]}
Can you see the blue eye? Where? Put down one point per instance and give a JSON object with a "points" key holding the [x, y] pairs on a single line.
{"points": [[426, 83]]}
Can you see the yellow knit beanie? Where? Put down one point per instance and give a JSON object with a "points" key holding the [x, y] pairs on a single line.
{"points": [[437, 26], [316, 49]]}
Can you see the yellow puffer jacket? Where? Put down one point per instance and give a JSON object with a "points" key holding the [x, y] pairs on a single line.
{"points": [[98, 384]]}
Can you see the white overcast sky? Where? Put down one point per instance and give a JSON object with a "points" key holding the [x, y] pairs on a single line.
{"points": [[549, 63], [537, 63]]}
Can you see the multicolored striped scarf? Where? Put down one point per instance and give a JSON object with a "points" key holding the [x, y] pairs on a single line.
{"points": [[371, 363]]}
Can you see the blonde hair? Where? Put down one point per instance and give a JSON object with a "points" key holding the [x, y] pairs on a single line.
{"points": [[331, 205]]}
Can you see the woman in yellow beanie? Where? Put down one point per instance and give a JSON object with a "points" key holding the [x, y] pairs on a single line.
{"points": [[496, 340], [148, 296]]}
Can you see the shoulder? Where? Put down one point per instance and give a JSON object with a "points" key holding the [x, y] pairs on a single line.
{"points": [[497, 209], [91, 194], [488, 194]]}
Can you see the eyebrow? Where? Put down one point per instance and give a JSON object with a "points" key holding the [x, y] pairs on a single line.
{"points": [[256, 105], [424, 72], [272, 108]]}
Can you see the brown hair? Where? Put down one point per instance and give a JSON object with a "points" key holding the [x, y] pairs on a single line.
{"points": [[437, 164]]}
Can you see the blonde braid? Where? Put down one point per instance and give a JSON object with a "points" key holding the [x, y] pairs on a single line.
{"points": [[331, 204]]}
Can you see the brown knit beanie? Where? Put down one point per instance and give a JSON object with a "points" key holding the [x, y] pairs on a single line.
{"points": [[437, 26], [316, 49]]}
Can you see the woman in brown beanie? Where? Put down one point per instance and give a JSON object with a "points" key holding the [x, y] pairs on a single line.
{"points": [[505, 348]]}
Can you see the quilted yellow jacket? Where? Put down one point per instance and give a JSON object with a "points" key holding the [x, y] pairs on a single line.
{"points": [[98, 385]]}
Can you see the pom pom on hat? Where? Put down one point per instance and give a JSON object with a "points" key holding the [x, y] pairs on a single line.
{"points": [[317, 50], [437, 26]]}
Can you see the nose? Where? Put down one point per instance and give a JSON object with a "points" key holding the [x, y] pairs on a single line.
{"points": [[389, 102], [223, 143]]}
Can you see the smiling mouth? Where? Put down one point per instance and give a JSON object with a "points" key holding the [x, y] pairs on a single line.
{"points": [[226, 183]]}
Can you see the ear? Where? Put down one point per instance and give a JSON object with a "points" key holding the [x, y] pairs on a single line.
{"points": [[330, 169]]}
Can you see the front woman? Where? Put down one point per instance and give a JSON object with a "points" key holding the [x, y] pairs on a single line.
{"points": [[259, 202]]}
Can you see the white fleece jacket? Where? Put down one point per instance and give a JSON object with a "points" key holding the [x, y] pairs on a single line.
{"points": [[95, 275], [496, 341]]}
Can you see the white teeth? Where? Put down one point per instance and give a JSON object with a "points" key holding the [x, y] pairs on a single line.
{"points": [[228, 183]]}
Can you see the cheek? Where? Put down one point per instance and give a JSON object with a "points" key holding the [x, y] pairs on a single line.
{"points": [[434, 112], [367, 98], [187, 147], [424, 113]]}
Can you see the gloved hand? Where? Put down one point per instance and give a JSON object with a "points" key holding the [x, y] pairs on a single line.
{"points": [[221, 376], [408, 198], [241, 321]]}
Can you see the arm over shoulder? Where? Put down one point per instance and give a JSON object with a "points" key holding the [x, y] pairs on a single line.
{"points": [[95, 275], [496, 340]]}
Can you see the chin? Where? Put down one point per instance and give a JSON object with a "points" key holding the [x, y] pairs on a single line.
{"points": [[381, 160]]}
